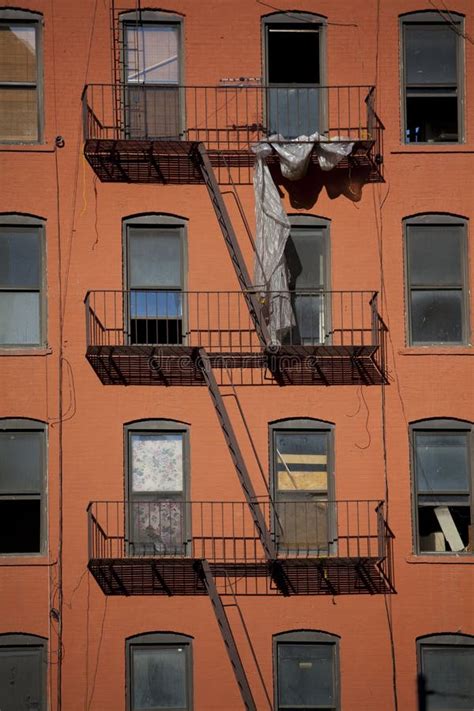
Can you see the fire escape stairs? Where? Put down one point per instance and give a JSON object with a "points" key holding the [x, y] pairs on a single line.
{"points": [[227, 636]]}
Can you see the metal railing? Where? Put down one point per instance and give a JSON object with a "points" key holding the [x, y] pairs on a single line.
{"points": [[220, 322], [224, 531], [230, 117]]}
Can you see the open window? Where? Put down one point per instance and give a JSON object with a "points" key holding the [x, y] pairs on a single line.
{"points": [[154, 247], [306, 671], [302, 487], [442, 453], [22, 312], [293, 45], [20, 76], [445, 672], [152, 74], [436, 257], [23, 665], [22, 486], [432, 77], [159, 672], [158, 470], [307, 262]]}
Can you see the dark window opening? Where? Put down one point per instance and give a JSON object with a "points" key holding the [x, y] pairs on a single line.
{"points": [[293, 101], [432, 82], [293, 55], [20, 526]]}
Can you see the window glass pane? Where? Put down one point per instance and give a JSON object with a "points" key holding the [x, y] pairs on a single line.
{"points": [[20, 679], [19, 318], [156, 304], [448, 678], [152, 54], [154, 257], [159, 678], [430, 54], [17, 53], [21, 462], [20, 526], [157, 462], [435, 255], [301, 461], [304, 254], [306, 675], [436, 316], [441, 462], [19, 114], [152, 111], [20, 257]]}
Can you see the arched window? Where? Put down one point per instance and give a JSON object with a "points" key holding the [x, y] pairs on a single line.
{"points": [[306, 665], [157, 457], [442, 451], [294, 54], [436, 259], [153, 72], [445, 672], [22, 301], [23, 666], [432, 71], [159, 671], [302, 485], [21, 96], [155, 278], [22, 486]]}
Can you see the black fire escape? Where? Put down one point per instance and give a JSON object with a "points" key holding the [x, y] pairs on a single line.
{"points": [[233, 547]]}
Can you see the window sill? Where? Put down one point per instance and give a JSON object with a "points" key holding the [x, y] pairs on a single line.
{"points": [[15, 352], [443, 558], [25, 560], [433, 148], [26, 148], [436, 351]]}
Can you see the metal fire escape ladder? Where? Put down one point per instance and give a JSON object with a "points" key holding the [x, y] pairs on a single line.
{"points": [[230, 238], [228, 637], [204, 364]]}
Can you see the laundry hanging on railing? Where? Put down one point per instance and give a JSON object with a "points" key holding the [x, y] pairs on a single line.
{"points": [[295, 153], [273, 228]]}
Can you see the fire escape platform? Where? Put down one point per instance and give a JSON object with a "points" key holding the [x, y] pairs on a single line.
{"points": [[173, 162], [291, 365], [183, 576]]}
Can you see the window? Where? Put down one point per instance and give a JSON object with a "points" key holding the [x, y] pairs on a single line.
{"points": [[445, 672], [307, 671], [294, 73], [306, 256], [20, 77], [21, 281], [22, 486], [152, 74], [432, 77], [154, 248], [436, 279], [22, 672], [442, 451], [159, 672], [158, 466], [302, 485]]}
